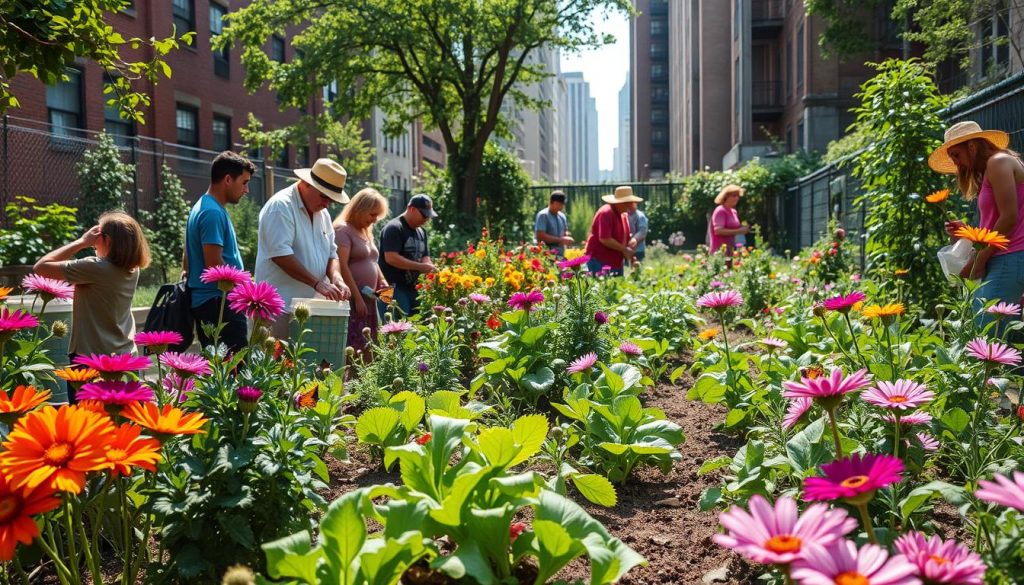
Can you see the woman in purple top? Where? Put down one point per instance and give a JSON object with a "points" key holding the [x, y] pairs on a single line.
{"points": [[987, 170], [357, 255], [725, 222]]}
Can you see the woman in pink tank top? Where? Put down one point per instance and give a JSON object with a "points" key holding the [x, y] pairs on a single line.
{"points": [[987, 170], [725, 222]]}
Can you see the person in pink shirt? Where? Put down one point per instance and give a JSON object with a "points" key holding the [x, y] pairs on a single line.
{"points": [[610, 241], [987, 170], [725, 222]]}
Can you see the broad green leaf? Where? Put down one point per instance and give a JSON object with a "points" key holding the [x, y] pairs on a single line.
{"points": [[376, 425], [384, 561], [533, 335], [709, 499], [714, 464], [539, 380], [468, 559], [956, 420], [342, 533], [411, 405], [529, 432], [498, 445], [496, 367], [556, 547], [596, 488], [292, 556]]}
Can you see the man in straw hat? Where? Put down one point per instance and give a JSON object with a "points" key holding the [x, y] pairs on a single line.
{"points": [[725, 223], [297, 253], [610, 243]]}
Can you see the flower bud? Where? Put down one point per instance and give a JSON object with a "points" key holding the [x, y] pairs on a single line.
{"points": [[302, 313], [819, 310], [449, 320], [367, 333], [557, 433], [397, 384], [350, 352], [239, 575], [940, 310], [270, 345], [59, 328]]}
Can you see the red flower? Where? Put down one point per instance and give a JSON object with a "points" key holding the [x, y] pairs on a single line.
{"points": [[278, 350], [515, 529], [1020, 412], [493, 322], [423, 439]]}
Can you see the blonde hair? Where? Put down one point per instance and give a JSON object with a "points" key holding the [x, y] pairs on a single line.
{"points": [[366, 200], [969, 179], [128, 247]]}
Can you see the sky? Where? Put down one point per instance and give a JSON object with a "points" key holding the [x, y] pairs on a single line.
{"points": [[606, 70]]}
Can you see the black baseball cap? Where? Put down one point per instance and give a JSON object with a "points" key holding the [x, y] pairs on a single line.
{"points": [[558, 196], [424, 204]]}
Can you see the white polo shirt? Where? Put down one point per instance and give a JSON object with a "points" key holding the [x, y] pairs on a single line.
{"points": [[285, 229]]}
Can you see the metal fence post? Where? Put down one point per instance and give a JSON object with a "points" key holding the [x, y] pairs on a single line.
{"points": [[7, 174], [135, 176]]}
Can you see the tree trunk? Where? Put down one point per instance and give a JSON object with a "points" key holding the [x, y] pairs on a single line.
{"points": [[465, 167]]}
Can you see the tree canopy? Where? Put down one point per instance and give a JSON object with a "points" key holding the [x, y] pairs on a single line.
{"points": [[44, 37], [449, 63]]}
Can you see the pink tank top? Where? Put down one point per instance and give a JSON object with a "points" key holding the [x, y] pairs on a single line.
{"points": [[990, 213]]}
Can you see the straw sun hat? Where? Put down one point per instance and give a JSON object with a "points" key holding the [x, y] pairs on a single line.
{"points": [[327, 177], [962, 132], [726, 191], [622, 195]]}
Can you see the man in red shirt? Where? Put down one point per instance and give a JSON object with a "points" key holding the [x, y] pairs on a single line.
{"points": [[610, 242]]}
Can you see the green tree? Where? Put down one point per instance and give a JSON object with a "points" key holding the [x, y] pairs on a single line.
{"points": [[104, 179], [449, 63], [343, 139], [45, 37], [165, 228]]}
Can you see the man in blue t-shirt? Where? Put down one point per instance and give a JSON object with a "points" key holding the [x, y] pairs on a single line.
{"points": [[210, 241], [550, 226]]}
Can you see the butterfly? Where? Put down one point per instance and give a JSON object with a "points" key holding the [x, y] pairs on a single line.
{"points": [[812, 372], [386, 294], [308, 395]]}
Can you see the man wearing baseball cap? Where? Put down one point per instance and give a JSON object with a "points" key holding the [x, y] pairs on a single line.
{"points": [[404, 253], [296, 252], [551, 227]]}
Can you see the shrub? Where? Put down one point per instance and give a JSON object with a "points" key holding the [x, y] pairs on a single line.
{"points": [[245, 216], [105, 181], [166, 226], [35, 230], [579, 218]]}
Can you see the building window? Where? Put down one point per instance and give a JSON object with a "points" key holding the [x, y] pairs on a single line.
{"points": [[303, 156], [282, 158], [64, 103], [788, 80], [995, 46], [186, 120], [184, 15], [659, 115], [658, 27], [658, 71], [800, 134], [800, 58], [121, 130], [277, 49], [431, 143], [221, 58], [221, 133]]}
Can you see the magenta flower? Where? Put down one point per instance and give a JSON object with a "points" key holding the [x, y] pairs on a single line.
{"points": [[843, 564], [772, 343], [582, 363], [778, 535], [630, 348], [479, 298], [928, 442], [575, 262], [902, 395], [396, 327], [115, 392], [854, 477], [843, 303], [48, 288], [157, 341], [248, 396], [12, 322], [256, 300], [526, 301], [993, 353], [914, 418], [823, 388], [1003, 309], [185, 365], [1002, 491], [716, 284], [796, 409], [720, 300], [114, 364], [600, 317], [938, 562], [226, 277], [181, 387]]}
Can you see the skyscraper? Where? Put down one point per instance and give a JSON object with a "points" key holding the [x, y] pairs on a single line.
{"points": [[649, 71], [622, 167], [578, 143]]}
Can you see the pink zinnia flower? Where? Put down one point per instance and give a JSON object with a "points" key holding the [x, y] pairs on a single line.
{"points": [[1003, 491], [796, 409], [928, 442], [48, 288], [630, 348], [941, 562], [226, 276], [396, 327], [579, 261], [115, 392], [186, 364], [582, 363], [772, 343], [181, 387], [155, 340], [600, 317], [526, 301], [479, 298], [843, 303], [114, 364], [993, 353], [248, 396], [778, 535], [720, 300], [903, 395], [823, 388], [853, 476], [843, 564], [1004, 309], [13, 321], [256, 300], [914, 418]]}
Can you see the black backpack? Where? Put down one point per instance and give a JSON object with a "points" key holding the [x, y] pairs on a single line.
{"points": [[172, 311]]}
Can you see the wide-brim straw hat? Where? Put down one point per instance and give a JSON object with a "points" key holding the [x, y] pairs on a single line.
{"points": [[940, 161], [726, 191], [622, 195], [327, 177]]}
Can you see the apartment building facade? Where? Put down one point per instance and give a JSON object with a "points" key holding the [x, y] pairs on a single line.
{"points": [[650, 76]]}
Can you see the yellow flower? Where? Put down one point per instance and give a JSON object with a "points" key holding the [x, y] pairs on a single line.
{"points": [[708, 334], [772, 276], [858, 305], [983, 236], [901, 272], [573, 253], [938, 196], [883, 311], [489, 281], [481, 254]]}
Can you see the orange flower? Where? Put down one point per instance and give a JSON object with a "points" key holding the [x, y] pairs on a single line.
{"points": [[79, 375], [5, 291], [883, 311], [901, 272], [17, 506], [983, 236], [708, 334], [164, 422], [128, 449], [307, 396], [938, 196], [56, 448], [24, 399], [93, 406]]}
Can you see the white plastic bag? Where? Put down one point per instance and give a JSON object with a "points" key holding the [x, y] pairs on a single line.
{"points": [[953, 258]]}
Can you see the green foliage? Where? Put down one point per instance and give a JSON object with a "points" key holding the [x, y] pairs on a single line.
{"points": [[900, 110], [105, 180], [578, 332], [519, 364], [848, 29], [391, 425], [839, 151], [165, 228], [245, 216], [35, 230], [45, 37], [343, 138], [579, 216]]}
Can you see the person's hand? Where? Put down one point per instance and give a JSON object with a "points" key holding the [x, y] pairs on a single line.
{"points": [[339, 282], [632, 244], [974, 270], [428, 267], [184, 275], [628, 254], [359, 305], [952, 226], [89, 238], [745, 229], [328, 290], [568, 241]]}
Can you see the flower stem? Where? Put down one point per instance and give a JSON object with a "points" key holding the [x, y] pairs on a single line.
{"points": [[865, 519], [835, 432], [896, 441], [856, 344]]}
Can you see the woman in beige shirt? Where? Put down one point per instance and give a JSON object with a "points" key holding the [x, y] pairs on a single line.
{"points": [[357, 255]]}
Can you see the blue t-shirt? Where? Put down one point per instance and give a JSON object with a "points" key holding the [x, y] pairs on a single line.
{"points": [[208, 223]]}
